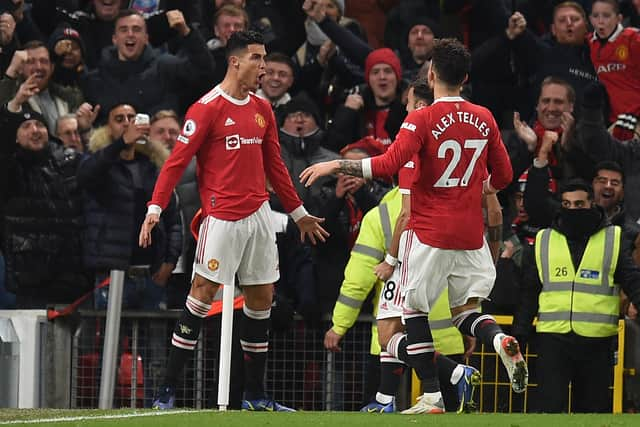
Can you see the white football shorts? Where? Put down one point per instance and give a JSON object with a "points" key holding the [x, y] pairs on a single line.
{"points": [[246, 247], [427, 270]]}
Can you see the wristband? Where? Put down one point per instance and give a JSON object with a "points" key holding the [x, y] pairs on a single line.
{"points": [[391, 260], [154, 209]]}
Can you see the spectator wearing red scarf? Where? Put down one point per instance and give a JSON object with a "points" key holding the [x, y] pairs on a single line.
{"points": [[554, 112]]}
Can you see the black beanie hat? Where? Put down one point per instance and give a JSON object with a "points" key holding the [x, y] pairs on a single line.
{"points": [[422, 20], [302, 102], [26, 115]]}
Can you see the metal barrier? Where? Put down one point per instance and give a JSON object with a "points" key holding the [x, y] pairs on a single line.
{"points": [[496, 394], [300, 373]]}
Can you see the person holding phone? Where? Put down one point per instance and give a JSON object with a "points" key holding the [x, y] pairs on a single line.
{"points": [[118, 177]]}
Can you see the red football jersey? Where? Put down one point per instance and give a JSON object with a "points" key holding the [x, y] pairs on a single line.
{"points": [[617, 63], [407, 173], [456, 141], [235, 142]]}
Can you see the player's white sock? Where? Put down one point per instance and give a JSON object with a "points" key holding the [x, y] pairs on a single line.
{"points": [[433, 397], [457, 373], [385, 399]]}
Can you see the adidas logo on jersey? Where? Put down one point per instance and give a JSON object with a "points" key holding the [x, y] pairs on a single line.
{"points": [[229, 122]]}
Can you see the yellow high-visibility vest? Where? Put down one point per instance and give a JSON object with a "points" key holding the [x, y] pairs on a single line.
{"points": [[585, 301], [359, 279]]}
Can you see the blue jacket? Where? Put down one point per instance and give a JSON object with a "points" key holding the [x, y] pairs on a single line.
{"points": [[110, 205]]}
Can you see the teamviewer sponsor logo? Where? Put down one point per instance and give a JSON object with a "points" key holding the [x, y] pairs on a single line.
{"points": [[232, 142]]}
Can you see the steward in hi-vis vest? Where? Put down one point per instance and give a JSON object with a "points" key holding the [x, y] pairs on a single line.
{"points": [[585, 299], [359, 279], [574, 276]]}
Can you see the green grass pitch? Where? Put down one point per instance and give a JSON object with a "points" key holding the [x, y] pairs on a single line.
{"points": [[189, 418]]}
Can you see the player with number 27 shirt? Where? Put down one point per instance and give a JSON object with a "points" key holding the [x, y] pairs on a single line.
{"points": [[456, 141], [461, 155]]}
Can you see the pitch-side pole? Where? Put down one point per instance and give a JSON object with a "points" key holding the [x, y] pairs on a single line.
{"points": [[111, 334], [225, 347]]}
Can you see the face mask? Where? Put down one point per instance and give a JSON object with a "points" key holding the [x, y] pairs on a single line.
{"points": [[579, 223]]}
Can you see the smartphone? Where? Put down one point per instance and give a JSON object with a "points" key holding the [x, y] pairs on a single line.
{"points": [[141, 119]]}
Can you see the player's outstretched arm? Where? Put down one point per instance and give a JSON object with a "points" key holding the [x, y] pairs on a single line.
{"points": [[310, 227], [348, 167], [150, 221]]}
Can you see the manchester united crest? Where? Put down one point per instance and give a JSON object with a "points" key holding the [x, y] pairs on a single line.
{"points": [[213, 264], [260, 120], [622, 52]]}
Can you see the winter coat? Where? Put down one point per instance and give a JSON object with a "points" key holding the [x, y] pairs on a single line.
{"points": [[110, 205], [42, 219]]}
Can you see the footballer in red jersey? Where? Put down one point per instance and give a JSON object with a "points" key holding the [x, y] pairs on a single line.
{"points": [[457, 143], [233, 135]]}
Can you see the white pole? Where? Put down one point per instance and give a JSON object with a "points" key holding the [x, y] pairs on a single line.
{"points": [[111, 334], [225, 347]]}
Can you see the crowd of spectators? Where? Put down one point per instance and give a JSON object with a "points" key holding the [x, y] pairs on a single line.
{"points": [[561, 78]]}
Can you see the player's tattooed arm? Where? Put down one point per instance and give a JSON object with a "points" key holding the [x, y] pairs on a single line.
{"points": [[315, 171], [351, 167]]}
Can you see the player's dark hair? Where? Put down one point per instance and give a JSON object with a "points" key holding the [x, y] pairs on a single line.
{"points": [[450, 61], [241, 39], [422, 91]]}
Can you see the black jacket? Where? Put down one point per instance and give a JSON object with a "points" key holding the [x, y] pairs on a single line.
{"points": [[298, 153], [153, 82], [41, 219], [110, 207], [627, 274], [546, 57], [188, 204]]}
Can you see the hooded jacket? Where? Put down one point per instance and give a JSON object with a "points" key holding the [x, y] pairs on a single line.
{"points": [[110, 205]]}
